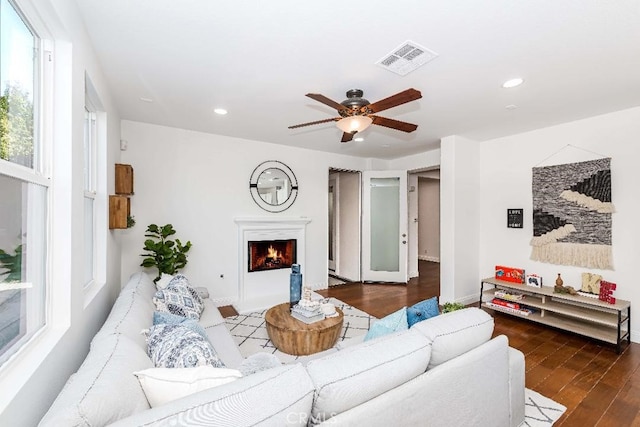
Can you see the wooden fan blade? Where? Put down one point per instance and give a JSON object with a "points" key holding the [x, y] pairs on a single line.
{"points": [[326, 101], [333, 119], [346, 137], [394, 124], [394, 100]]}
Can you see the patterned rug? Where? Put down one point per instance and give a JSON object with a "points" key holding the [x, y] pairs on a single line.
{"points": [[540, 410], [250, 333]]}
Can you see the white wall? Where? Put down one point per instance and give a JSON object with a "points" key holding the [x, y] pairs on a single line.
{"points": [[420, 161], [505, 182], [459, 220], [200, 182], [73, 57]]}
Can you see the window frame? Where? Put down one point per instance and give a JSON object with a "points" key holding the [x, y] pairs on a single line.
{"points": [[98, 192], [56, 70]]}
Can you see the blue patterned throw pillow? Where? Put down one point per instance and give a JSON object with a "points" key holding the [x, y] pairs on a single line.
{"points": [[176, 346], [395, 322], [422, 310], [179, 298], [160, 317]]}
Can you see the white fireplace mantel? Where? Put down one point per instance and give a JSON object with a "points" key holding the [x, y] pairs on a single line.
{"points": [[263, 289]]}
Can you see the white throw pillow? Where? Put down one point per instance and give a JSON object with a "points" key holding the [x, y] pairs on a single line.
{"points": [[163, 281], [162, 385]]}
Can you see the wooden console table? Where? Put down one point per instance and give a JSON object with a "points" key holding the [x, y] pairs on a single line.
{"points": [[292, 336], [582, 315]]}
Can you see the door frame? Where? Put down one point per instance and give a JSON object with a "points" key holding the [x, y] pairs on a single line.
{"points": [[367, 274]]}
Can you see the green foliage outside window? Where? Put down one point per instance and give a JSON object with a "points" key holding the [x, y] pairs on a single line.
{"points": [[16, 125]]}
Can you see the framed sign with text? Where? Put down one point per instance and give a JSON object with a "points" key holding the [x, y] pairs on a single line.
{"points": [[514, 218]]}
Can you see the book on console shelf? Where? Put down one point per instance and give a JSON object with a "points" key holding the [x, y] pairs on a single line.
{"points": [[510, 296], [504, 303], [521, 311]]}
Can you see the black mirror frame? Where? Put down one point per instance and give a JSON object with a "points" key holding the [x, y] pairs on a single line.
{"points": [[253, 186]]}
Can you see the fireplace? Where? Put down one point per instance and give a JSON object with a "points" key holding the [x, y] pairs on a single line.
{"points": [[271, 254], [259, 290]]}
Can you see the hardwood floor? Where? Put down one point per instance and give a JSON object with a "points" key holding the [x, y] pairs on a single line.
{"points": [[598, 386]]}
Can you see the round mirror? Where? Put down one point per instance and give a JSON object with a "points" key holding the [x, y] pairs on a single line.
{"points": [[273, 186]]}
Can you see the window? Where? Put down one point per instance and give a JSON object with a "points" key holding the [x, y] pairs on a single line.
{"points": [[90, 136], [95, 192], [23, 184]]}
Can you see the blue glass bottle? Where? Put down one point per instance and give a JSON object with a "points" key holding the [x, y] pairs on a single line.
{"points": [[295, 285]]}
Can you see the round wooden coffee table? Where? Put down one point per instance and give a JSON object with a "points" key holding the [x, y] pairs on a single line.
{"points": [[292, 336]]}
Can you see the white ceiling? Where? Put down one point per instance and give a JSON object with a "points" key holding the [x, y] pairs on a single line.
{"points": [[258, 59]]}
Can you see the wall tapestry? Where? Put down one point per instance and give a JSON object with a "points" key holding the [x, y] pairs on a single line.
{"points": [[572, 214]]}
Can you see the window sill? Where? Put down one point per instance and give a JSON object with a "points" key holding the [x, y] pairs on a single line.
{"points": [[20, 368]]}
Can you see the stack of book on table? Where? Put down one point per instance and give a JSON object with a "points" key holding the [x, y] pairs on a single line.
{"points": [[307, 314]]}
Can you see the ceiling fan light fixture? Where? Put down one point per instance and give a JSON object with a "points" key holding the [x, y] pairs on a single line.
{"points": [[354, 124]]}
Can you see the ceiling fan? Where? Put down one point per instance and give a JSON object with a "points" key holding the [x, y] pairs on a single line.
{"points": [[357, 113]]}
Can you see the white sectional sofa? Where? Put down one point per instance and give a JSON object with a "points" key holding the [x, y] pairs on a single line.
{"points": [[444, 371]]}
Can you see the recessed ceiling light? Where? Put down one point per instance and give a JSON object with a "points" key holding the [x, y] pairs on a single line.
{"points": [[220, 111], [511, 107], [386, 145], [143, 99], [512, 83], [358, 139]]}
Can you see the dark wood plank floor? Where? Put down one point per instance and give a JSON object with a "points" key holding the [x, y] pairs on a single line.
{"points": [[598, 386]]}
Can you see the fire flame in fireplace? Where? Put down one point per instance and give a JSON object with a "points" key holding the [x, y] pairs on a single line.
{"points": [[273, 254]]}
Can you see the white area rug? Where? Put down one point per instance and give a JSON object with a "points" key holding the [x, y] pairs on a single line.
{"points": [[250, 333], [540, 410]]}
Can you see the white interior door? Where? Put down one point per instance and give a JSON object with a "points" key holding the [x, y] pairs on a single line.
{"points": [[384, 226]]}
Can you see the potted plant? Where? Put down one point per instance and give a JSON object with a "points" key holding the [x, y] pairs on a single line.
{"points": [[167, 255], [452, 306], [12, 264]]}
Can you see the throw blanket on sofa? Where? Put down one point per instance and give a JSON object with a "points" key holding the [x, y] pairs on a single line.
{"points": [[572, 214]]}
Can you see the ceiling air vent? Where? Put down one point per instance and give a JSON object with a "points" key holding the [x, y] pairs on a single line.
{"points": [[406, 58]]}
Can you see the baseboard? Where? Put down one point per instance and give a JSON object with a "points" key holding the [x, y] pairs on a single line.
{"points": [[469, 299], [428, 258], [221, 302]]}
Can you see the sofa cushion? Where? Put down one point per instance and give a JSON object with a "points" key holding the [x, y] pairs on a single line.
{"points": [[210, 315], [349, 377], [132, 311], [162, 385], [104, 389], [395, 322], [455, 333], [224, 345], [276, 397], [422, 311], [177, 346], [179, 298]]}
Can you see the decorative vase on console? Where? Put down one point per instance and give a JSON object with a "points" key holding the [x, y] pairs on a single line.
{"points": [[295, 285], [559, 280]]}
